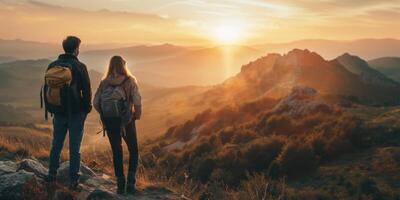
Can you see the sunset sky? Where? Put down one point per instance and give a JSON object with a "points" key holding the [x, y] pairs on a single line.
{"points": [[198, 22]]}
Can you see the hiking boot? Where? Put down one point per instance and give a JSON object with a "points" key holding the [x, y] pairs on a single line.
{"points": [[50, 179], [130, 187], [121, 185]]}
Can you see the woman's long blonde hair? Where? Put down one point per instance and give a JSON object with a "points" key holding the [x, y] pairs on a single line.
{"points": [[117, 67]]}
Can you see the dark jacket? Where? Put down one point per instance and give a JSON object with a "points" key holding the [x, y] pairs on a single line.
{"points": [[80, 77]]}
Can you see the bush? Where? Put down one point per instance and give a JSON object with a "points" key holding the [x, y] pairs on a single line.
{"points": [[257, 186], [225, 136], [258, 154], [297, 158], [243, 136], [281, 124], [202, 168]]}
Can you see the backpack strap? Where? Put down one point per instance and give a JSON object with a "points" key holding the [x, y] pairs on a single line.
{"points": [[43, 103]]}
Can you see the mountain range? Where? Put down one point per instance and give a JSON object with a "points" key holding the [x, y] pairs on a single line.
{"points": [[330, 49], [271, 76], [390, 66], [171, 65]]}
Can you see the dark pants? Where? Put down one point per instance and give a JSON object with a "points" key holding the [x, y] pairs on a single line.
{"points": [[61, 124], [114, 133]]}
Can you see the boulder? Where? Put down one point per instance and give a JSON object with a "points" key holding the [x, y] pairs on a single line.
{"points": [[102, 195], [21, 185], [7, 167], [32, 165], [63, 173]]}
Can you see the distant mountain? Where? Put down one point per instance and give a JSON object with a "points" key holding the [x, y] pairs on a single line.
{"points": [[20, 81], [27, 49], [275, 75], [360, 67], [329, 49], [173, 66], [99, 59], [390, 66], [206, 66], [4, 59], [22, 49]]}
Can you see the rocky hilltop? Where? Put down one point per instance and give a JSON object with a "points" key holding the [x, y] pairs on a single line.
{"points": [[24, 180], [274, 76]]}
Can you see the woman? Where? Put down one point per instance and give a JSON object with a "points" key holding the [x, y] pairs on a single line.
{"points": [[121, 124]]}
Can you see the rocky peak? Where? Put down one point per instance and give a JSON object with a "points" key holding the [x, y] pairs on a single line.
{"points": [[303, 100], [353, 63]]}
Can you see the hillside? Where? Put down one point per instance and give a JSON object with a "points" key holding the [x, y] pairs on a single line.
{"points": [[302, 139], [390, 66]]}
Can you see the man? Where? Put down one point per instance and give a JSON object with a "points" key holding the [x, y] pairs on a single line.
{"points": [[72, 116]]}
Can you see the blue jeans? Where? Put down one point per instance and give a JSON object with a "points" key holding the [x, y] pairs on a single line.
{"points": [[61, 124]]}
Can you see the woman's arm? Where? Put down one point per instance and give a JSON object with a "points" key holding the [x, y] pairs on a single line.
{"points": [[136, 99], [96, 100]]}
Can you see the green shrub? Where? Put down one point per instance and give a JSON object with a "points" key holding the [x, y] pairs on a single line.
{"points": [[202, 168], [258, 154], [280, 124], [297, 158], [243, 136], [225, 136]]}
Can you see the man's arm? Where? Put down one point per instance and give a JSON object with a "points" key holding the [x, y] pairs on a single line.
{"points": [[86, 90]]}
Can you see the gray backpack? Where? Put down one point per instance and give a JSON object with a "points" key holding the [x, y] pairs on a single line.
{"points": [[113, 101]]}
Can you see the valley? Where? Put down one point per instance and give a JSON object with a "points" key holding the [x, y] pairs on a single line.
{"points": [[294, 120]]}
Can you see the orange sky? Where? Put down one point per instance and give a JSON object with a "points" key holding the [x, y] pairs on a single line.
{"points": [[198, 22]]}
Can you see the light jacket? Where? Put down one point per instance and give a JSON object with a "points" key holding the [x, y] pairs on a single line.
{"points": [[131, 88]]}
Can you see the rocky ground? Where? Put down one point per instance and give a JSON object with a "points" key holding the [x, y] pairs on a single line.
{"points": [[24, 180]]}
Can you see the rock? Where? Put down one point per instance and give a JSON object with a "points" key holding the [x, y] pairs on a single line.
{"points": [[99, 182], [156, 192], [303, 101], [7, 167], [21, 185], [102, 195], [34, 166], [63, 173]]}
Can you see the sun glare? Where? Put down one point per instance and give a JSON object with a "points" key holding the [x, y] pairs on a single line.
{"points": [[227, 34]]}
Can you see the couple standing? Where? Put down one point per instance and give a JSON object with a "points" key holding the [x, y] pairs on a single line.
{"points": [[67, 96]]}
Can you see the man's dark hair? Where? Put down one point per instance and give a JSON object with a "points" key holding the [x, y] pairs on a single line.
{"points": [[71, 43]]}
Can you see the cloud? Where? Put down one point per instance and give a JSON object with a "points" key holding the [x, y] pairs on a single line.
{"points": [[190, 21], [46, 22]]}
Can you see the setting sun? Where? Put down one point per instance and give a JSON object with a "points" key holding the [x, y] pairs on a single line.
{"points": [[228, 34]]}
